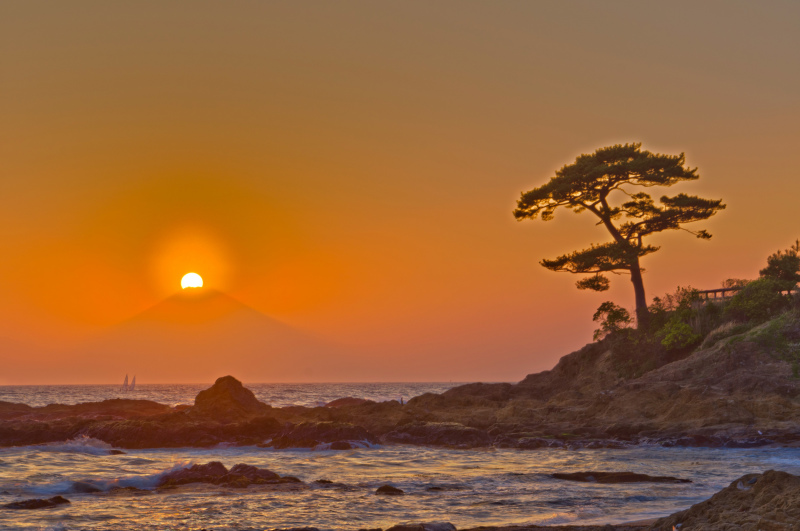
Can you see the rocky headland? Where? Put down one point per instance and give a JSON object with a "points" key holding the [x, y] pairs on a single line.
{"points": [[737, 391]]}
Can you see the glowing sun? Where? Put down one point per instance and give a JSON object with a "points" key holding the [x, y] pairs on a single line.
{"points": [[191, 280]]}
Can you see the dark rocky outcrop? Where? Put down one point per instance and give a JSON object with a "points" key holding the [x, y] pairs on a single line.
{"points": [[215, 473], [736, 392], [313, 434], [37, 503], [616, 477], [227, 400], [450, 434], [432, 526], [389, 490], [755, 501], [346, 402], [116, 408]]}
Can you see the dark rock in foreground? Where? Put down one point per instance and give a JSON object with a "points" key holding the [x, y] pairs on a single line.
{"points": [[215, 473], [389, 490], [617, 527], [616, 477], [37, 503], [755, 501], [432, 526]]}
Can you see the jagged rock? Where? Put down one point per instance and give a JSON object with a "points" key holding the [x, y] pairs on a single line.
{"points": [[616, 477], [346, 401], [226, 400], [389, 490], [755, 501], [37, 503], [449, 434]]}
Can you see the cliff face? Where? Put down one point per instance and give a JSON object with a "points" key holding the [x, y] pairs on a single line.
{"points": [[724, 394]]}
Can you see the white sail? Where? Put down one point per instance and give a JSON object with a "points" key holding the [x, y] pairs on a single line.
{"points": [[133, 384], [125, 383]]}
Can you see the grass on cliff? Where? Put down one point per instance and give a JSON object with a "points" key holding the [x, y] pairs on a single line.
{"points": [[682, 323]]}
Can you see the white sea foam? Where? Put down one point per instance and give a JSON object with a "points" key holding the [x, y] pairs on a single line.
{"points": [[362, 445], [80, 445], [145, 482]]}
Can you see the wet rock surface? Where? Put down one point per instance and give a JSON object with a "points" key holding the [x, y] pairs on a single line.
{"points": [[215, 473], [37, 503], [616, 477], [389, 490]]}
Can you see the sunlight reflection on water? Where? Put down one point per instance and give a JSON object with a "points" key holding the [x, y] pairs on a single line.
{"points": [[475, 487]]}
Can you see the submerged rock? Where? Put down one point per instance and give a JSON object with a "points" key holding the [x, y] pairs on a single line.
{"points": [[616, 477], [37, 503], [82, 487], [389, 490]]}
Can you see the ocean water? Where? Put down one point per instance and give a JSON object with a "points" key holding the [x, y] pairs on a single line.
{"points": [[275, 394], [473, 487]]}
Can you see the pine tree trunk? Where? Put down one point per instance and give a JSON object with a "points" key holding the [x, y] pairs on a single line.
{"points": [[642, 315]]}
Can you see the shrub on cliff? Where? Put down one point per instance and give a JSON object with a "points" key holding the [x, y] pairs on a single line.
{"points": [[758, 301], [612, 318], [677, 334]]}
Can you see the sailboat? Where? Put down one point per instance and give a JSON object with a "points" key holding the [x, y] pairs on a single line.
{"points": [[125, 383], [133, 384]]}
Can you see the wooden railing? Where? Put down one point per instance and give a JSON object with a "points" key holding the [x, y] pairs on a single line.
{"points": [[725, 293]]}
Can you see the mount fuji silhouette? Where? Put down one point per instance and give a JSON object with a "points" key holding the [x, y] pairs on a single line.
{"points": [[200, 333]]}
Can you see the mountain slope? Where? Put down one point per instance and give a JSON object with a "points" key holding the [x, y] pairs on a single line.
{"points": [[197, 335]]}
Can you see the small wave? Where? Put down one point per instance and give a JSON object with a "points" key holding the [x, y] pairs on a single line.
{"points": [[144, 482], [79, 445], [356, 445]]}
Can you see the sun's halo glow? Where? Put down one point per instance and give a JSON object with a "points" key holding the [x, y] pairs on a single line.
{"points": [[191, 280]]}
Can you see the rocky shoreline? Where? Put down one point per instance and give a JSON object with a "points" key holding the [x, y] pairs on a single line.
{"points": [[768, 501], [736, 393]]}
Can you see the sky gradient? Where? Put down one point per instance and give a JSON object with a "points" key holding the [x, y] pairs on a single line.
{"points": [[350, 169]]}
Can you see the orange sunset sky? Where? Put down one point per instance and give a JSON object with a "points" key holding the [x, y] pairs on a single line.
{"points": [[350, 168]]}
